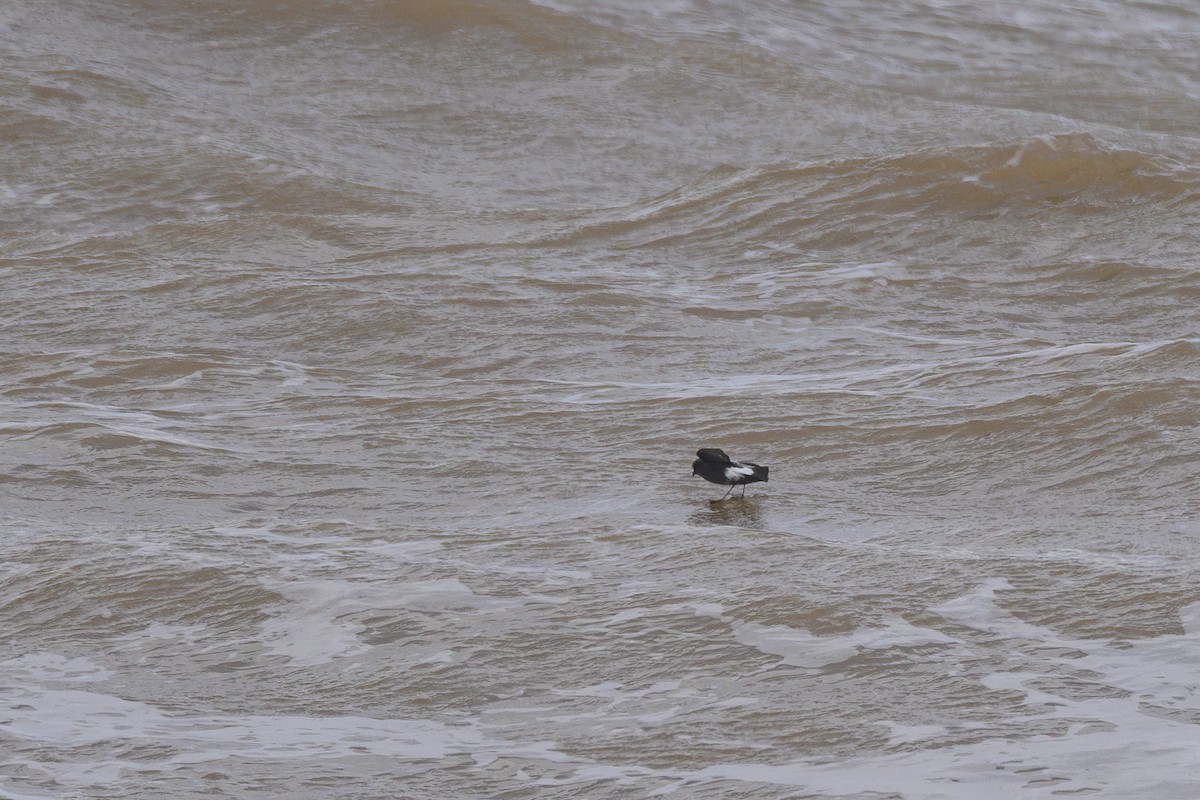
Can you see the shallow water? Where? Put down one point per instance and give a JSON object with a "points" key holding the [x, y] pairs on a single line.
{"points": [[354, 356]]}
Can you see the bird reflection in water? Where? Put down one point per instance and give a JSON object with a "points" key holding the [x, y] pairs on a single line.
{"points": [[741, 512]]}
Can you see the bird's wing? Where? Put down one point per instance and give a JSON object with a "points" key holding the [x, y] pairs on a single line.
{"points": [[713, 454]]}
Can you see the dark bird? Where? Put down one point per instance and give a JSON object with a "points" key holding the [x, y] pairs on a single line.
{"points": [[716, 467]]}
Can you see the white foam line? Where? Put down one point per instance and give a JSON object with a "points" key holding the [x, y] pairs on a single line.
{"points": [[79, 718], [599, 393], [996, 768], [52, 666], [803, 649], [143, 425], [315, 625]]}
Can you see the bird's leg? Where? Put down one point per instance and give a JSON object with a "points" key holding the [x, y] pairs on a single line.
{"points": [[731, 488]]}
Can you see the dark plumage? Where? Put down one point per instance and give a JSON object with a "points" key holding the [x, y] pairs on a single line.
{"points": [[716, 467]]}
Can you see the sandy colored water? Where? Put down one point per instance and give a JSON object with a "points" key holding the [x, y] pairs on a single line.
{"points": [[353, 357]]}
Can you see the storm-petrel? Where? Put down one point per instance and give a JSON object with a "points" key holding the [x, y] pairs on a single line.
{"points": [[716, 467]]}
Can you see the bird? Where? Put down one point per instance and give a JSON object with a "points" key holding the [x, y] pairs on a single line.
{"points": [[716, 467]]}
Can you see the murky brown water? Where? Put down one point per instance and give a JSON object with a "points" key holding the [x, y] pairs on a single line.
{"points": [[353, 357]]}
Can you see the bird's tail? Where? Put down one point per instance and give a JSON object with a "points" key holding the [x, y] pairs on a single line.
{"points": [[760, 473]]}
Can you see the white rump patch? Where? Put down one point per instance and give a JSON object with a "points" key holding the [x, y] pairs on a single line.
{"points": [[733, 473]]}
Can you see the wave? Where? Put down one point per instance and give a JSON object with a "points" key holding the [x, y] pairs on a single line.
{"points": [[908, 195], [1161, 357]]}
